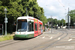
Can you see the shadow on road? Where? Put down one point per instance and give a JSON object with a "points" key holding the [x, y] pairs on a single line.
{"points": [[23, 38]]}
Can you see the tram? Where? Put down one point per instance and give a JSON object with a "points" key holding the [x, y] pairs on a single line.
{"points": [[28, 27]]}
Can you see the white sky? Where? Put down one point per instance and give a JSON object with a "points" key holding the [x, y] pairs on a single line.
{"points": [[57, 8]]}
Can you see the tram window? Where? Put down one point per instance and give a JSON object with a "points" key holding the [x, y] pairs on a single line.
{"points": [[40, 27], [35, 27], [30, 27], [22, 25]]}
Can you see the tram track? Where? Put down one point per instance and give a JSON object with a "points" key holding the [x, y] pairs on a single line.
{"points": [[64, 43], [55, 42], [41, 46], [49, 43], [60, 43], [3, 44]]}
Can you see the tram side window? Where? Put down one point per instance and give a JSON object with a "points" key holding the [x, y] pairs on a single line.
{"points": [[30, 27], [35, 27], [40, 27]]}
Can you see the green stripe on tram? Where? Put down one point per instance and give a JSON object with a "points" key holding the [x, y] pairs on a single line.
{"points": [[24, 36]]}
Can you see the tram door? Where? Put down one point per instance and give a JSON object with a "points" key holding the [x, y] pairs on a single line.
{"points": [[35, 28]]}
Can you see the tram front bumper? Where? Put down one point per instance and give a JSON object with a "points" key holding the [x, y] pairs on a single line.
{"points": [[23, 36]]}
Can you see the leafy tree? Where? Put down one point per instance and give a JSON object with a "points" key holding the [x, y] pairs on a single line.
{"points": [[63, 22], [55, 22], [72, 15], [16, 8], [59, 22]]}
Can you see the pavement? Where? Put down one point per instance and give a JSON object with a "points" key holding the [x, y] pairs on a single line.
{"points": [[50, 38], [28, 44]]}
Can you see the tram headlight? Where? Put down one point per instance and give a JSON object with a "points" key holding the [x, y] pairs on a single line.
{"points": [[16, 32]]}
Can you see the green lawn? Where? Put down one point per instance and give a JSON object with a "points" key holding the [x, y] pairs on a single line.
{"points": [[7, 37]]}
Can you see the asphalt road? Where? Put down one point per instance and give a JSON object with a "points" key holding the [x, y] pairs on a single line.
{"points": [[60, 39]]}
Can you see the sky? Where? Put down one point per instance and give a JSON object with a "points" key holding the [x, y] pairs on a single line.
{"points": [[58, 9]]}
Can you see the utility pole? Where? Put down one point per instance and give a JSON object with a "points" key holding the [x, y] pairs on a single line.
{"points": [[68, 20], [51, 24]]}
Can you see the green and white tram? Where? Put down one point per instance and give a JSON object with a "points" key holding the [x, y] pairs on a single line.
{"points": [[28, 27]]}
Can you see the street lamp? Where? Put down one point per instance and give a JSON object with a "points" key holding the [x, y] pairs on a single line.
{"points": [[6, 21]]}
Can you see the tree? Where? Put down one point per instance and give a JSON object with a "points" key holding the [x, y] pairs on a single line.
{"points": [[16, 8], [55, 21], [72, 15], [63, 22]]}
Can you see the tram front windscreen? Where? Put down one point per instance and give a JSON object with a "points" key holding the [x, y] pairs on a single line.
{"points": [[22, 25]]}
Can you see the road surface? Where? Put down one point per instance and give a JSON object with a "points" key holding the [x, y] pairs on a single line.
{"points": [[60, 39]]}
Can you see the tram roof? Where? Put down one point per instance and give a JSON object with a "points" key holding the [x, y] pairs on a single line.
{"points": [[27, 17]]}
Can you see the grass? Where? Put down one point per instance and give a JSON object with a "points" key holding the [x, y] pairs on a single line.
{"points": [[7, 37]]}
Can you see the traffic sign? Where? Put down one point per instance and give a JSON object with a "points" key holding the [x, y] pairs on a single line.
{"points": [[5, 21]]}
